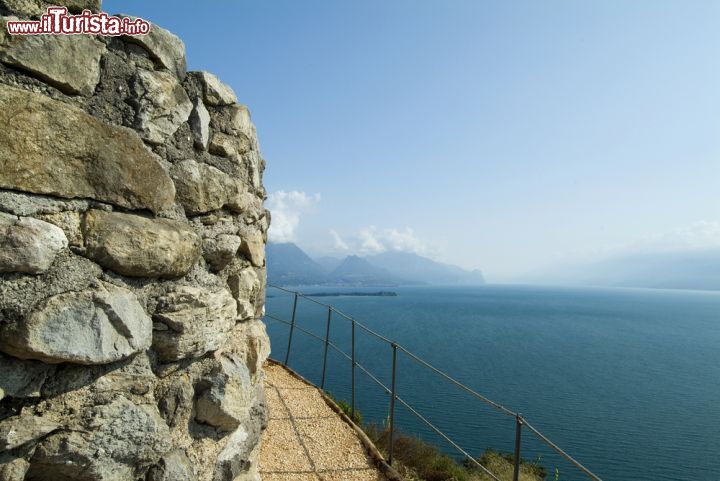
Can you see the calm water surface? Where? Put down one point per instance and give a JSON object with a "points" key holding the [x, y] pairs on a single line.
{"points": [[627, 381]]}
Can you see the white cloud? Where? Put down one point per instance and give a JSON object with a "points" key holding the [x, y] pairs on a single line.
{"points": [[372, 240], [286, 209], [405, 241], [369, 242], [338, 242]]}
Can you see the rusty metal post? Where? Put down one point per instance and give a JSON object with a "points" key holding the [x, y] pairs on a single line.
{"points": [[518, 434], [392, 403], [352, 374], [327, 344], [292, 328]]}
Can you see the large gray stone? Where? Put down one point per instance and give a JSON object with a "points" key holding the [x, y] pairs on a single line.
{"points": [[248, 204], [19, 430], [28, 245], [95, 326], [70, 223], [254, 165], [233, 120], [239, 453], [191, 321], [117, 441], [69, 62], [174, 466], [140, 247], [22, 379], [219, 251], [50, 147], [250, 342], [200, 124], [228, 146], [202, 188], [164, 47], [19, 203], [162, 105], [245, 288], [226, 403], [253, 247], [215, 92]]}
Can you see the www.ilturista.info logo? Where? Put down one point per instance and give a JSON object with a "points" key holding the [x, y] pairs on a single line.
{"points": [[57, 21]]}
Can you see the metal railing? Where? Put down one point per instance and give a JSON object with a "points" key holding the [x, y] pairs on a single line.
{"points": [[520, 421]]}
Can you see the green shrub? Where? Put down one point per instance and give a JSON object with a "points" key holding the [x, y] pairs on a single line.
{"points": [[425, 460], [534, 468], [356, 416]]}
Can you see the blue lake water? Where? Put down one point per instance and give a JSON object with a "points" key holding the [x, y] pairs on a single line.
{"points": [[627, 381]]}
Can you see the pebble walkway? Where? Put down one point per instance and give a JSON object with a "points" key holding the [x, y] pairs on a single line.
{"points": [[305, 439]]}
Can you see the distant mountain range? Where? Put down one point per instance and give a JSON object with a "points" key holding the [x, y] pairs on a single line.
{"points": [[693, 269], [287, 264]]}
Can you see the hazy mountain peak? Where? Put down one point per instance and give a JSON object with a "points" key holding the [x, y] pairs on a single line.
{"points": [[289, 264]]}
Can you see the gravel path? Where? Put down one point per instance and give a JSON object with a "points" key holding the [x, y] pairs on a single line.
{"points": [[305, 439]]}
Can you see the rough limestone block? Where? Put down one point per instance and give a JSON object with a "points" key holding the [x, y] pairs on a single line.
{"points": [[18, 430], [215, 92], [174, 466], [255, 166], [69, 222], [219, 251], [28, 245], [70, 63], [19, 203], [200, 125], [21, 379], [245, 287], [97, 326], [202, 188], [246, 203], [117, 441], [226, 403], [233, 120], [50, 147], [250, 342], [162, 105], [191, 321], [253, 247], [164, 47], [138, 246], [240, 449], [228, 146]]}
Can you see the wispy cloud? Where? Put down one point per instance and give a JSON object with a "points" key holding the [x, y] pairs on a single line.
{"points": [[338, 242], [371, 240], [286, 209], [370, 243]]}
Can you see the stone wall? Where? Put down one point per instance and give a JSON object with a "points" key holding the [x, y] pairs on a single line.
{"points": [[132, 262]]}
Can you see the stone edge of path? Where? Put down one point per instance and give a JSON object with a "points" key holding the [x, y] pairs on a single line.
{"points": [[388, 471]]}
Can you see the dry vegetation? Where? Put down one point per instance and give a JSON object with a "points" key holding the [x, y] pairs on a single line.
{"points": [[417, 460]]}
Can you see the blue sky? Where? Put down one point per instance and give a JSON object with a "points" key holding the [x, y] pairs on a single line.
{"points": [[500, 135]]}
